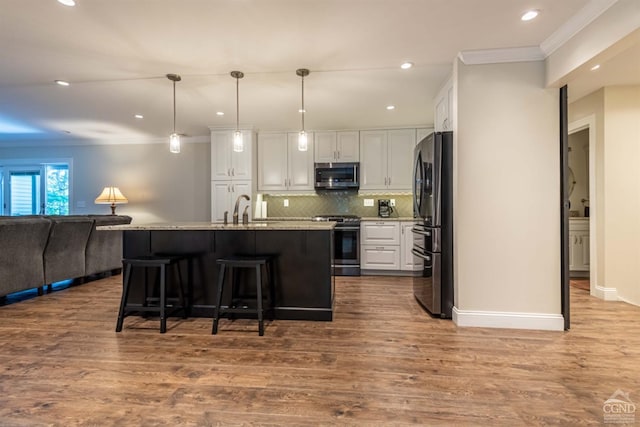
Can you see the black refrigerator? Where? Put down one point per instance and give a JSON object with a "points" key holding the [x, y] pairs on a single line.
{"points": [[433, 228]]}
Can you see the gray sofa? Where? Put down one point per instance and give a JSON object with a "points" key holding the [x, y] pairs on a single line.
{"points": [[40, 250]]}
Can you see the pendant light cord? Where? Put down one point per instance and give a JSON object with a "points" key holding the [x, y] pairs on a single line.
{"points": [[302, 103], [237, 104], [174, 106]]}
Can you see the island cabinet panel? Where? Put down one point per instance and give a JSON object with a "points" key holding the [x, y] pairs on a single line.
{"points": [[302, 268]]}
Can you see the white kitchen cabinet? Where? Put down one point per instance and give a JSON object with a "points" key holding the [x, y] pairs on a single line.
{"points": [[380, 245], [227, 164], [337, 147], [223, 198], [579, 244], [408, 261], [443, 120], [281, 166], [386, 159]]}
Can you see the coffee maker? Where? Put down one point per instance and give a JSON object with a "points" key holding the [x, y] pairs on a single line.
{"points": [[384, 208]]}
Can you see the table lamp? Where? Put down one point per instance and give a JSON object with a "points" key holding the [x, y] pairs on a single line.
{"points": [[112, 196]]}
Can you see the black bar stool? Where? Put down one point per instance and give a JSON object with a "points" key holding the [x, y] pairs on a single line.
{"points": [[163, 308], [236, 304]]}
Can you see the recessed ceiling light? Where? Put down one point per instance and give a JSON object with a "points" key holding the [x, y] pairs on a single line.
{"points": [[139, 116], [391, 107], [529, 15], [595, 67], [302, 111], [62, 83], [220, 113], [67, 2], [406, 65]]}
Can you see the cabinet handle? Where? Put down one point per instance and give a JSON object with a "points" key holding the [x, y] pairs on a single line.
{"points": [[233, 171], [389, 180], [338, 156], [229, 172]]}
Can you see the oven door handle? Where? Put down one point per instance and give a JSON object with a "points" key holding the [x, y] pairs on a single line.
{"points": [[348, 228], [423, 256]]}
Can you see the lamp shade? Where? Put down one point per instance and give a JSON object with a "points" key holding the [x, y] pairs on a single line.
{"points": [[111, 196]]}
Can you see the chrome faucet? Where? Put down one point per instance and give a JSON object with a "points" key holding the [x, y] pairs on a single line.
{"points": [[235, 210]]}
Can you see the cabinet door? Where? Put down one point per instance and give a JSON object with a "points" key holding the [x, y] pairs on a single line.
{"points": [[408, 261], [574, 251], [300, 164], [220, 200], [272, 161], [241, 162], [380, 257], [584, 241], [401, 143], [348, 146], [380, 232], [221, 147], [239, 188], [325, 147], [373, 160]]}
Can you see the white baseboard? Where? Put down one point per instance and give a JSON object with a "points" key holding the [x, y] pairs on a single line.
{"points": [[508, 320], [607, 294]]}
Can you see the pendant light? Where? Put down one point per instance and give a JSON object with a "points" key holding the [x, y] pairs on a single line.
{"points": [[174, 138], [238, 143], [302, 136]]}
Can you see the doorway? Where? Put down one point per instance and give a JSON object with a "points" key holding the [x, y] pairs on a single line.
{"points": [[582, 240], [41, 189]]}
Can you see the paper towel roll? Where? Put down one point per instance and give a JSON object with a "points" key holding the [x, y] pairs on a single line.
{"points": [[264, 209]]}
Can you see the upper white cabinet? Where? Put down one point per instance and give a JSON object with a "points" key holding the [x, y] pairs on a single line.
{"points": [[223, 199], [227, 164], [386, 159], [337, 147], [281, 166], [421, 133], [443, 108]]}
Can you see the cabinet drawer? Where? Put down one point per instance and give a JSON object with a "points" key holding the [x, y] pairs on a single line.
{"points": [[380, 257], [381, 232]]}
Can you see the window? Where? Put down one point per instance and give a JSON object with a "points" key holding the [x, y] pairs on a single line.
{"points": [[35, 189]]}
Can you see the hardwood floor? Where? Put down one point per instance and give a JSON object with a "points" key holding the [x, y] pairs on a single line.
{"points": [[382, 361]]}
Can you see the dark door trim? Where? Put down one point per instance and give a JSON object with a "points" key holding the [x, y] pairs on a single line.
{"points": [[564, 209]]}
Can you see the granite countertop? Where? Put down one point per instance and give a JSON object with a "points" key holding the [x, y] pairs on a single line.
{"points": [[255, 225]]}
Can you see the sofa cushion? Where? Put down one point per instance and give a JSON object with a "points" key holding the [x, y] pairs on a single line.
{"points": [[23, 241], [104, 248], [64, 256]]}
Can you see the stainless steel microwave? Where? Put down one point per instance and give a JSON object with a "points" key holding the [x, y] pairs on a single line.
{"points": [[337, 176]]}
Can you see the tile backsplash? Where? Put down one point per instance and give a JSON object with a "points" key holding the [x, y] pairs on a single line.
{"points": [[334, 202]]}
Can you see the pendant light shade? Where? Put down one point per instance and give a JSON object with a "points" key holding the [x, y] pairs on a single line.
{"points": [[238, 143], [174, 138], [303, 144]]}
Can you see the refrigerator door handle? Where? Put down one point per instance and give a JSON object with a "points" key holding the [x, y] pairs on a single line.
{"points": [[423, 256], [421, 232]]}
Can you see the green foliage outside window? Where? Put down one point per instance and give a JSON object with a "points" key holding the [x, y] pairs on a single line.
{"points": [[57, 188]]}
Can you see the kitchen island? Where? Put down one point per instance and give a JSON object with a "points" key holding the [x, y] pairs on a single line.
{"points": [[302, 250]]}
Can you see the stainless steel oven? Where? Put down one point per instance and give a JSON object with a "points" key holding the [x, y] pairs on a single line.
{"points": [[346, 243]]}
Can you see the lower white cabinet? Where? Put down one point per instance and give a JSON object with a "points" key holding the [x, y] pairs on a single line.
{"points": [[408, 261], [223, 198], [579, 244]]}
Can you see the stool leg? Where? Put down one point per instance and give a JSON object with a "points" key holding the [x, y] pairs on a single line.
{"points": [[123, 299], [259, 299], [181, 291], [216, 313], [163, 300]]}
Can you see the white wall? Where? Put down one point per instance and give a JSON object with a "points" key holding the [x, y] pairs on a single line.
{"points": [[622, 189], [507, 209], [160, 186]]}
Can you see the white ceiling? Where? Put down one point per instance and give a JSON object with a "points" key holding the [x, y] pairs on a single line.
{"points": [[116, 54]]}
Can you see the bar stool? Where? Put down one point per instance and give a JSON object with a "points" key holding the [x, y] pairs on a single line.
{"points": [[244, 262], [163, 308]]}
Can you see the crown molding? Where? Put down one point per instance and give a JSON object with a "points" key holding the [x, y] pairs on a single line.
{"points": [[496, 56], [575, 24]]}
